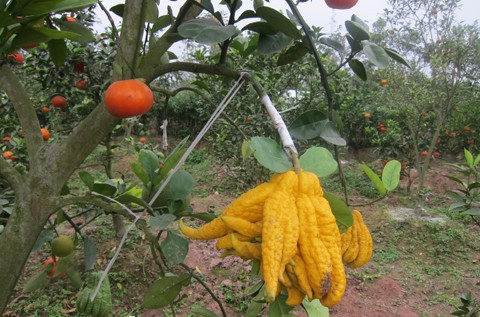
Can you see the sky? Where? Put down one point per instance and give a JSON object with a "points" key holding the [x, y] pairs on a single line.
{"points": [[317, 13]]}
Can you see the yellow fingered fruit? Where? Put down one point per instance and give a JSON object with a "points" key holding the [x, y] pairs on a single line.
{"points": [[290, 228]]}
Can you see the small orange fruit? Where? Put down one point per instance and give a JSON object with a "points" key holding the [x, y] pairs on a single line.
{"points": [[367, 115], [424, 153], [467, 129], [383, 129], [45, 134], [436, 154], [49, 261], [81, 84], [71, 19], [45, 109], [6, 138], [8, 155], [59, 101], [143, 140], [383, 82], [17, 57]]}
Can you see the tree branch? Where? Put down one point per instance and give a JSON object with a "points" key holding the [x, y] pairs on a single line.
{"points": [[23, 108], [220, 70], [13, 177]]}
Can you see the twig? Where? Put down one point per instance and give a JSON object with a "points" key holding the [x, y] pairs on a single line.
{"points": [[199, 280], [112, 23]]}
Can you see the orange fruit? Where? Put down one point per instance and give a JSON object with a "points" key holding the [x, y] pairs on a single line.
{"points": [[45, 109], [367, 115], [45, 134], [62, 246], [128, 98], [8, 155], [6, 138], [383, 82], [467, 129], [71, 19], [81, 84], [341, 4], [49, 261], [143, 140], [424, 153], [17, 57], [59, 101]]}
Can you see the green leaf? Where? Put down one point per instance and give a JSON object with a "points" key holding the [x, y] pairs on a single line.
{"points": [[391, 175], [164, 291], [472, 212], [397, 57], [174, 248], [271, 155], [90, 252], [364, 25], [205, 216], [206, 31], [319, 161], [38, 280], [161, 22], [178, 188], [330, 134], [307, 125], [140, 172], [202, 311], [161, 222], [254, 309], [58, 52], [271, 44], [6, 19], [279, 22], [105, 189], [376, 54], [87, 179], [332, 43], [247, 14], [468, 158], [149, 162], [39, 7], [171, 161], [207, 5], [29, 35], [151, 10], [247, 149], [292, 54], [355, 46], [358, 68], [279, 307], [315, 308], [477, 160], [127, 199], [374, 178], [357, 31], [260, 27], [118, 9], [341, 211], [85, 35]]}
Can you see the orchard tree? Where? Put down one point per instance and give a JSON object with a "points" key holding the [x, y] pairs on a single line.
{"points": [[444, 59], [143, 45]]}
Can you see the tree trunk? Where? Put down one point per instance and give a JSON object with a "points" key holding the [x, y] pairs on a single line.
{"points": [[18, 239]]}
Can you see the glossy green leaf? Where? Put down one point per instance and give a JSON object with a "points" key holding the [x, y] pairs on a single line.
{"points": [[151, 11], [315, 309], [358, 68], [376, 54], [171, 161], [254, 309], [104, 189], [202, 311], [6, 19], [128, 199], [374, 178], [44, 236], [270, 155], [149, 162], [355, 46], [179, 187], [341, 211], [319, 161], [359, 21], [357, 31], [87, 179], [247, 14], [29, 35], [391, 175], [395, 55], [206, 31], [279, 308], [332, 43], [247, 150], [164, 291], [85, 35], [161, 222], [292, 54], [40, 7], [469, 158], [330, 134], [307, 125], [260, 27], [207, 5], [174, 248], [90, 252], [271, 44], [38, 280], [140, 172], [58, 52], [279, 22]]}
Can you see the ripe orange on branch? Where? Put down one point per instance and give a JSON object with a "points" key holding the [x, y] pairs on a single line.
{"points": [[128, 98], [341, 4], [367, 115], [59, 101], [45, 134], [8, 155]]}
